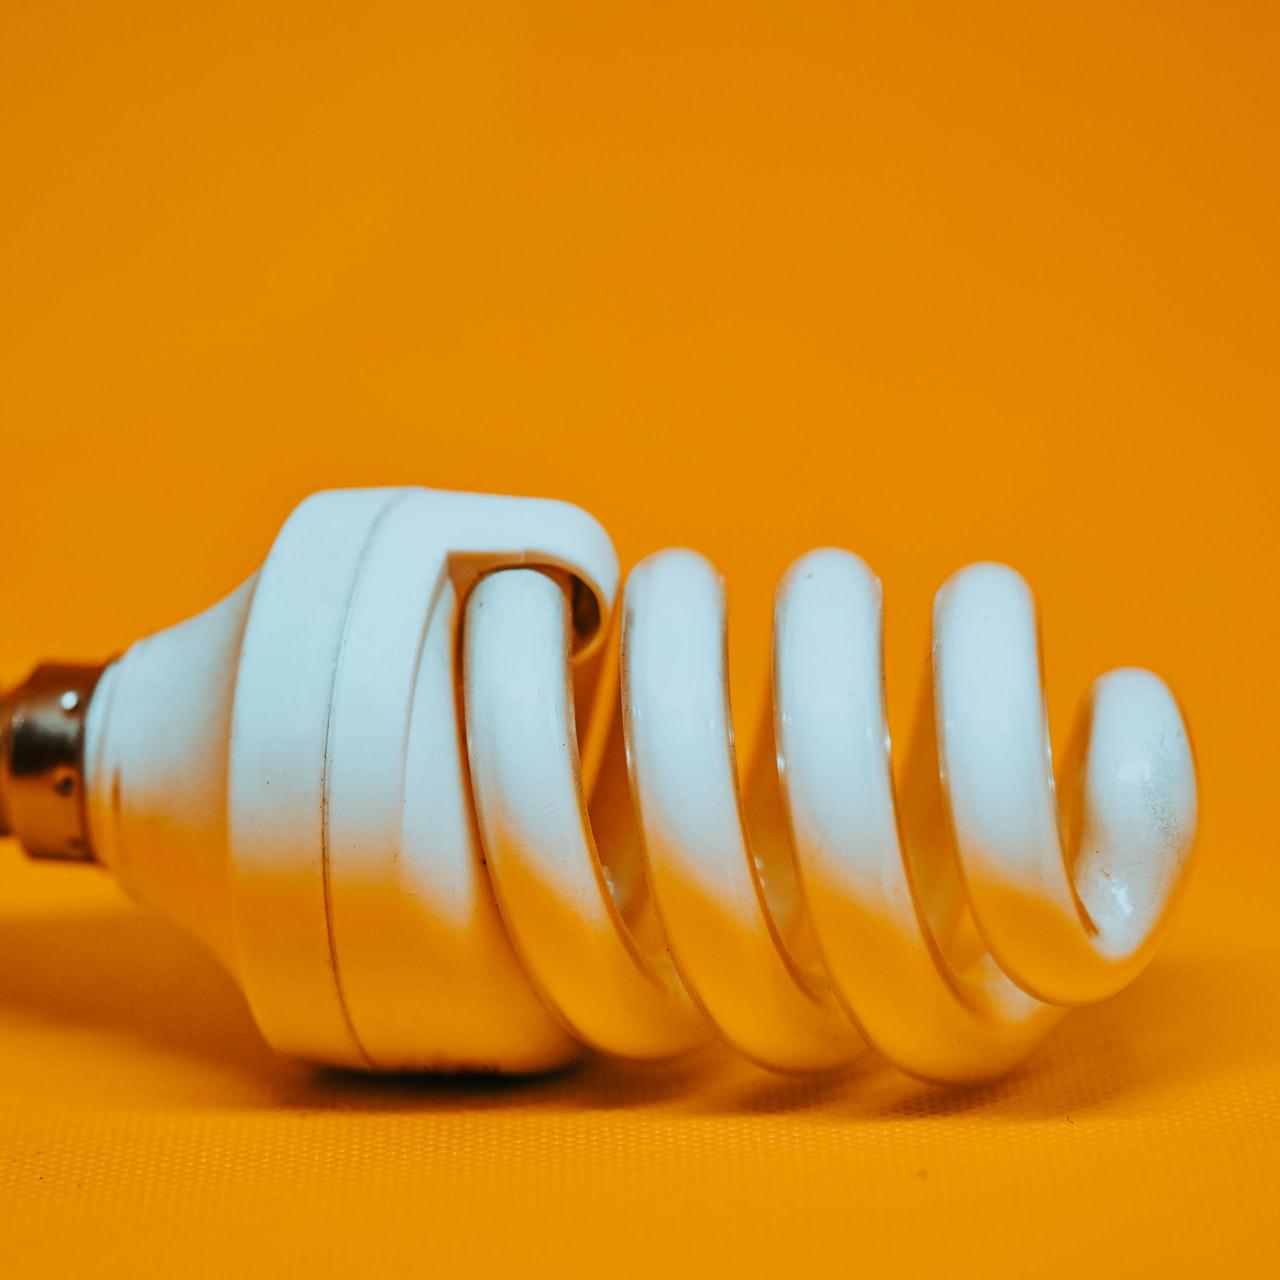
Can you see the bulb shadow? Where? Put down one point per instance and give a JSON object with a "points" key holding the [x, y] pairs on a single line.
{"points": [[125, 972], [1171, 1026], [134, 977]]}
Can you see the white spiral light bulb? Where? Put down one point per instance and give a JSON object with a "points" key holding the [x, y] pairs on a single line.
{"points": [[357, 778]]}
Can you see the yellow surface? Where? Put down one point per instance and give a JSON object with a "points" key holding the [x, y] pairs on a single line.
{"points": [[934, 282]]}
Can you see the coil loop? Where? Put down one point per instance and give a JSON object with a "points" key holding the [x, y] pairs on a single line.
{"points": [[952, 957]]}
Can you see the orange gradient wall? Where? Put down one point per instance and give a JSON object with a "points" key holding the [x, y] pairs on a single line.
{"points": [[934, 282]]}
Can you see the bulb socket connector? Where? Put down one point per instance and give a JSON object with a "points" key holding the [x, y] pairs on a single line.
{"points": [[42, 731]]}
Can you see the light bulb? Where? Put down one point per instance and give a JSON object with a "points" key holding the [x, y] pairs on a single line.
{"points": [[357, 779]]}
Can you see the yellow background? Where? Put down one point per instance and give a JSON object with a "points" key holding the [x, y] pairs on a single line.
{"points": [[931, 281]]}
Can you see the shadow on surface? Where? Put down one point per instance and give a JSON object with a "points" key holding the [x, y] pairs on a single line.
{"points": [[125, 972], [133, 977]]}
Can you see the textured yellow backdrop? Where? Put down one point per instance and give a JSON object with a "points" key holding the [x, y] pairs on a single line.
{"points": [[931, 281]]}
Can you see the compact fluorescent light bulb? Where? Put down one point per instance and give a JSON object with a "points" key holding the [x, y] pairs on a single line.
{"points": [[357, 779]]}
